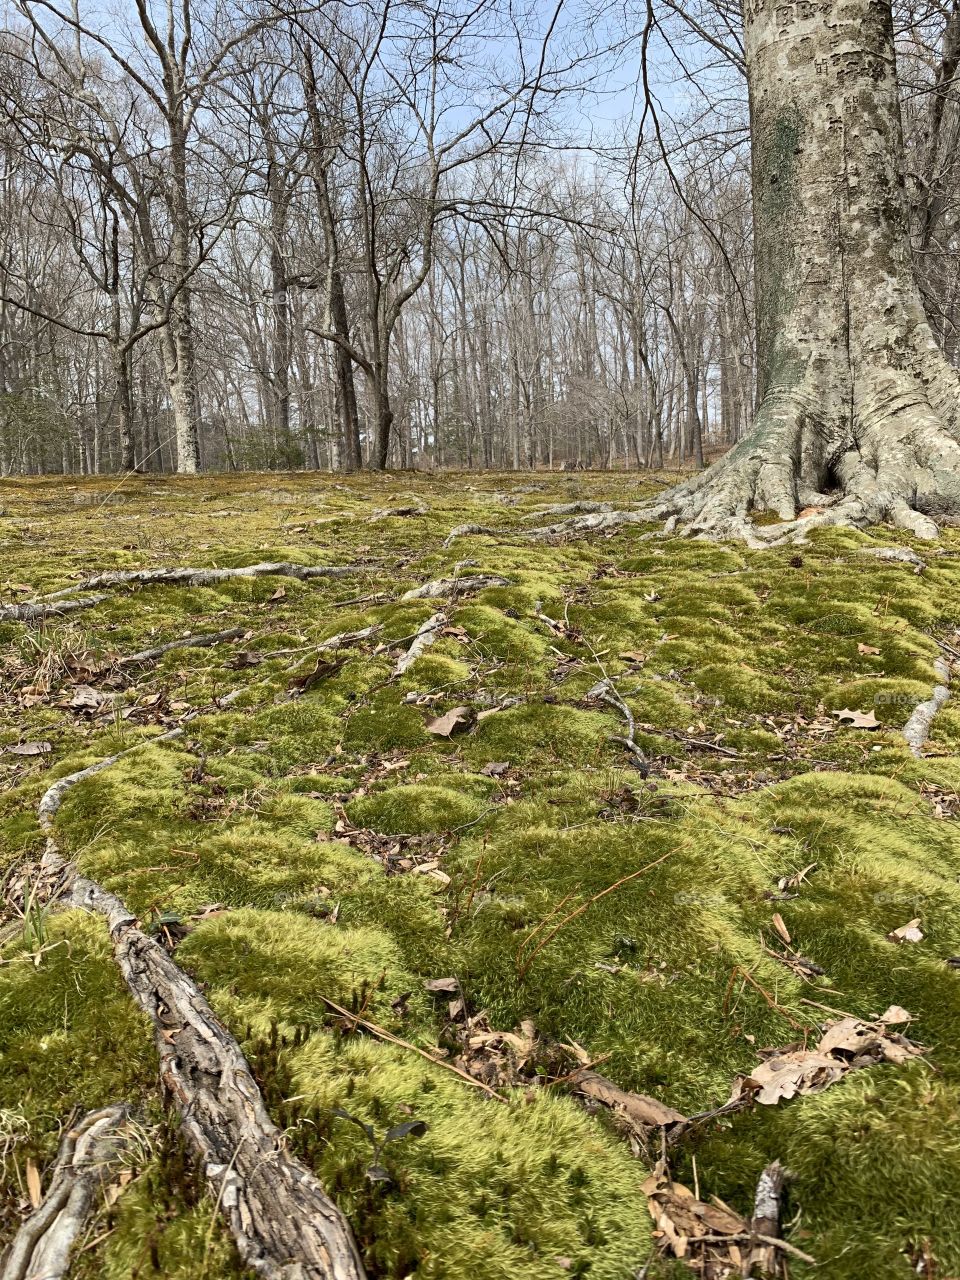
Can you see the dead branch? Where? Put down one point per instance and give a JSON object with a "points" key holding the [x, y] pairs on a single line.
{"points": [[606, 691], [90, 1156]]}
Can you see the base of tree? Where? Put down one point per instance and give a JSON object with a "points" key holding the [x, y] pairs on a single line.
{"points": [[902, 468]]}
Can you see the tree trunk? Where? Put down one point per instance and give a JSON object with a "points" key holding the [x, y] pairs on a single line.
{"points": [[859, 412]]}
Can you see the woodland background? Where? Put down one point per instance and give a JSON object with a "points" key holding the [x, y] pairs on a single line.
{"points": [[406, 234]]}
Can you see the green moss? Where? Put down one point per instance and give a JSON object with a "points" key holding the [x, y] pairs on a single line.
{"points": [[612, 909]]}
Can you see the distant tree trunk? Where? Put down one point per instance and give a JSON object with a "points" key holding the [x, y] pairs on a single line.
{"points": [[859, 412]]}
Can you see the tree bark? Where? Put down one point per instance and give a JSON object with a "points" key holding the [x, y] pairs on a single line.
{"points": [[859, 412]]}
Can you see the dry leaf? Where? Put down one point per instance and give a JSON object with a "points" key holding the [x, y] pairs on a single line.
{"points": [[86, 698], [441, 986], [495, 768], [781, 928], [857, 719], [632, 655], [908, 932], [447, 724], [640, 1109], [29, 748], [804, 512], [279, 594], [867, 650], [845, 1046]]}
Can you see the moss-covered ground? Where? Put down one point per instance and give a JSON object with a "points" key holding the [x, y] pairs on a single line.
{"points": [[292, 815]]}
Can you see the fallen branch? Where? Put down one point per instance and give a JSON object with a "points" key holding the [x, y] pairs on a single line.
{"points": [[606, 691], [91, 1154], [187, 642], [765, 1223], [382, 1034], [424, 638], [917, 729], [569, 509]]}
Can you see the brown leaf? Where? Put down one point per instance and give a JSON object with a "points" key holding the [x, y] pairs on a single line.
{"points": [[495, 768], [279, 594], [867, 650], [632, 655], [804, 512], [781, 928], [29, 748], [638, 1107], [450, 722], [858, 719]]}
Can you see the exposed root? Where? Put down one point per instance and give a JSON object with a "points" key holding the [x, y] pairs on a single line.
{"points": [[899, 555], [899, 464], [569, 509], [424, 638], [284, 1224], [196, 577], [917, 729], [464, 531], [31, 610], [446, 588], [89, 1158], [188, 642]]}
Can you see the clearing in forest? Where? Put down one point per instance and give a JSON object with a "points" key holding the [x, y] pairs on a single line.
{"points": [[612, 803]]}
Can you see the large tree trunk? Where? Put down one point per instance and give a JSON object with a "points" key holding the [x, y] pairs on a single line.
{"points": [[859, 413]]}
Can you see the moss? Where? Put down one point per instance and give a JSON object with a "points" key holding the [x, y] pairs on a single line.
{"points": [[665, 879]]}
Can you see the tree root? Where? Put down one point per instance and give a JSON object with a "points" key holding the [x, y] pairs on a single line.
{"points": [[917, 729], [898, 463], [31, 610], [464, 531], [55, 603], [424, 638], [284, 1224], [90, 1155], [445, 588], [188, 642]]}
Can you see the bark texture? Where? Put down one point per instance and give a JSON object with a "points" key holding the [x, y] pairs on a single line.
{"points": [[859, 412], [90, 1155]]}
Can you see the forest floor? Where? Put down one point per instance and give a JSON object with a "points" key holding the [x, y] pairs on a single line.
{"points": [[322, 838]]}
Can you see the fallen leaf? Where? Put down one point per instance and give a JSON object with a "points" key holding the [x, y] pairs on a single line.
{"points": [[447, 724], [632, 655], [279, 594], [867, 650], [646, 1112], [857, 719], [29, 748], [441, 986], [908, 932], [896, 1013], [804, 512], [781, 928], [86, 698], [495, 768], [845, 1045]]}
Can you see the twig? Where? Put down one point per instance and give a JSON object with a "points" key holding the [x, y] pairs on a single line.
{"points": [[383, 1034]]}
